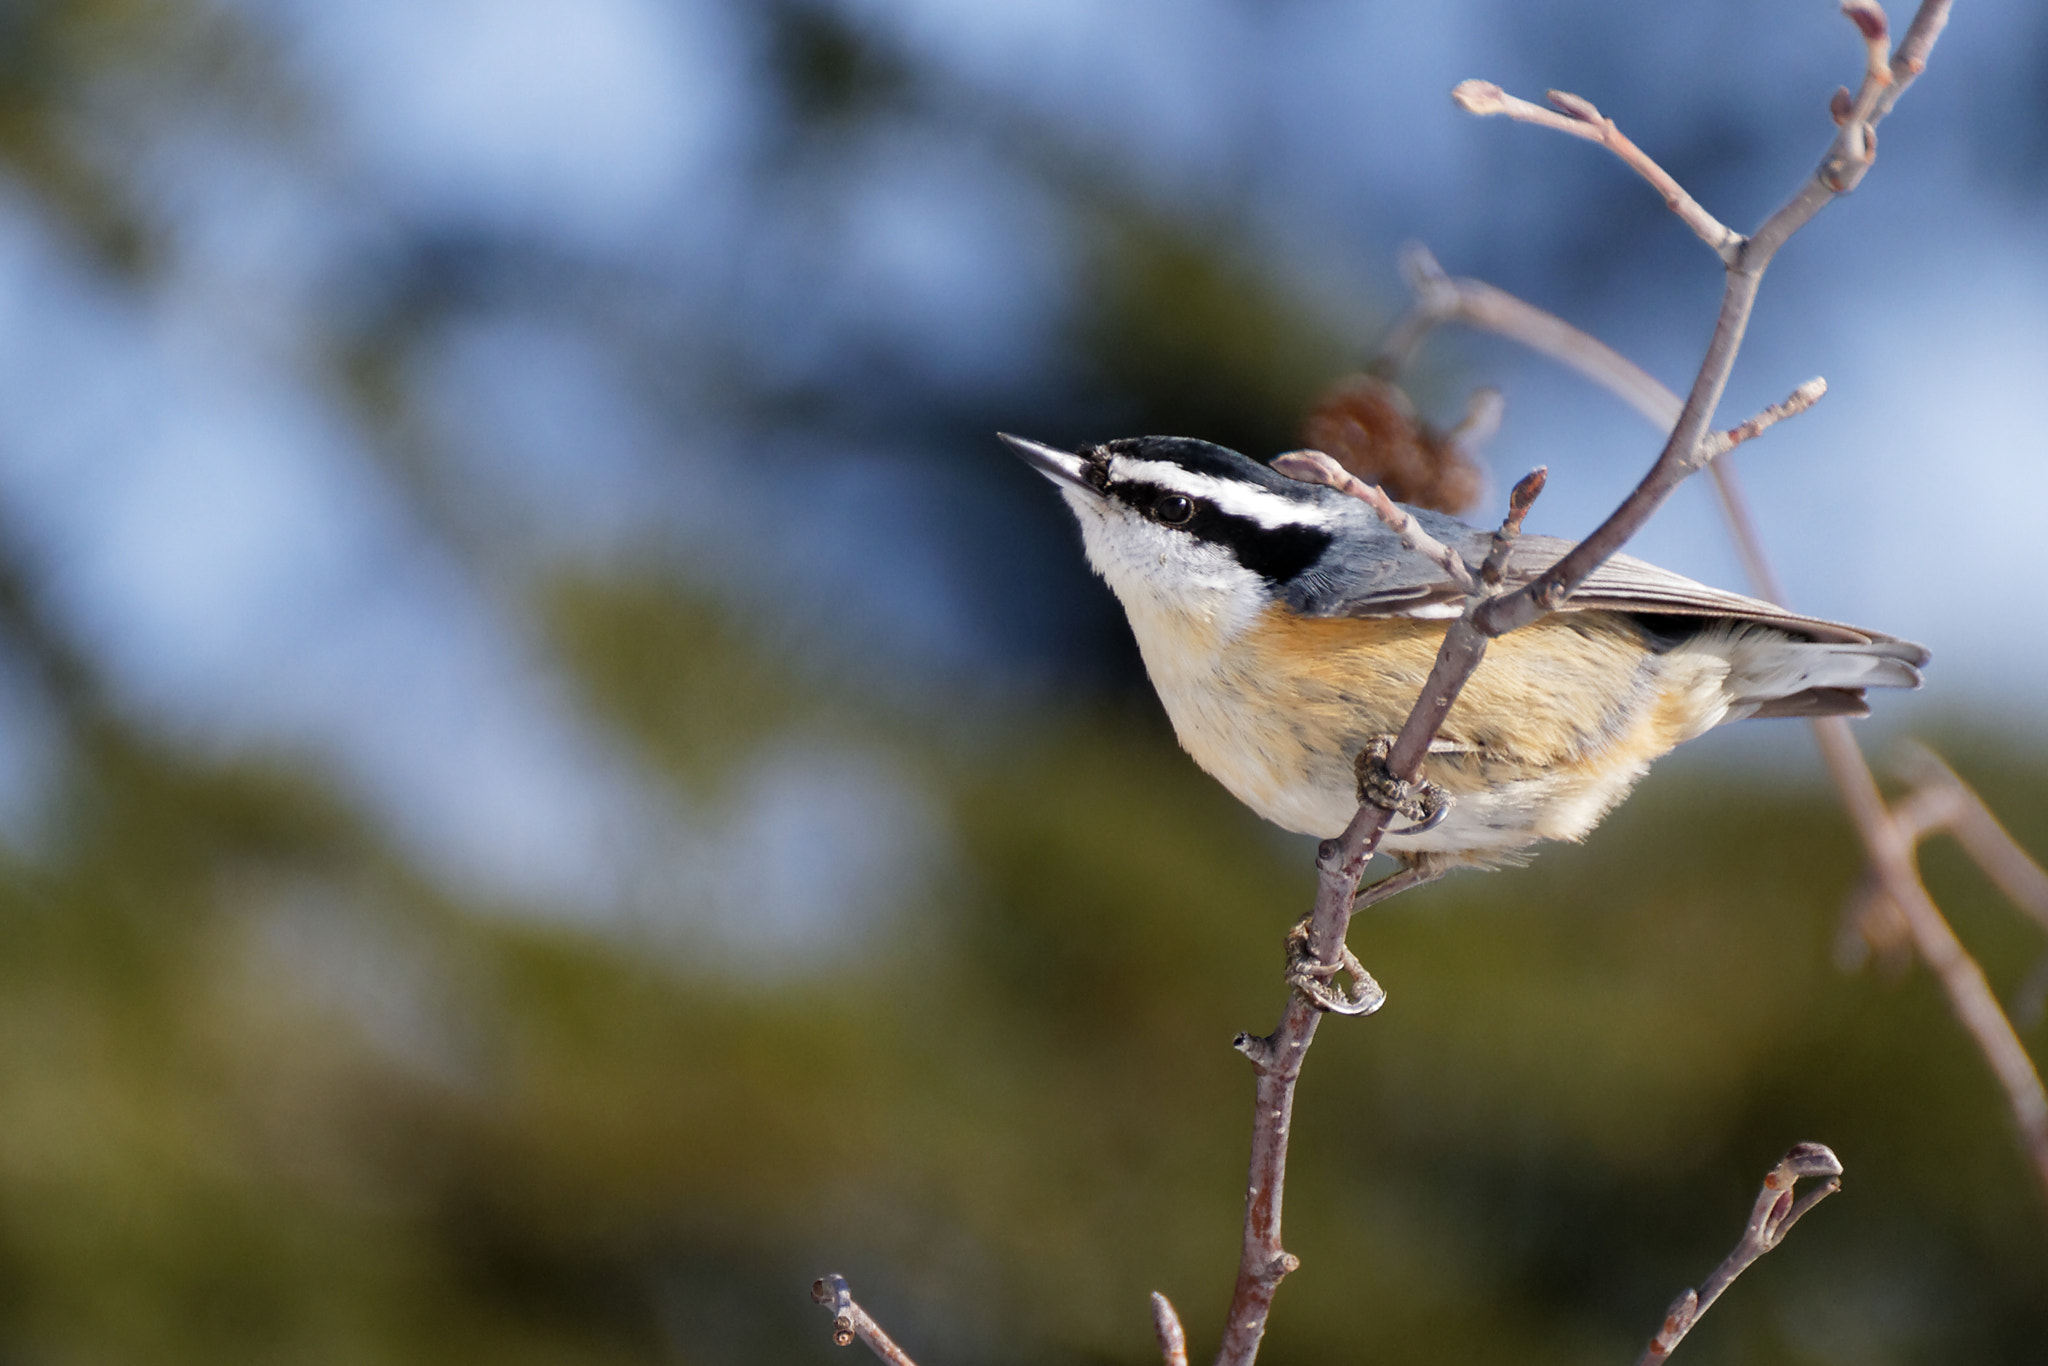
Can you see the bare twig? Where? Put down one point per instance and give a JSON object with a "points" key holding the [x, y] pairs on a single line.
{"points": [[1173, 1339], [850, 1321], [1795, 403], [1313, 467], [1576, 116], [1775, 1212], [1341, 863], [1520, 499]]}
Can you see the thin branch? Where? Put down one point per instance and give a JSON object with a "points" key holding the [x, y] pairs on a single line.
{"points": [[850, 1321], [1577, 116], [1773, 1216], [1313, 467], [1173, 1339], [1795, 403], [1520, 499]]}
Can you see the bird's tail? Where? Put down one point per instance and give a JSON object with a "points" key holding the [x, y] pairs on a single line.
{"points": [[1771, 673]]}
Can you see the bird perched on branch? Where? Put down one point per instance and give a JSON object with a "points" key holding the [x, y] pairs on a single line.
{"points": [[1288, 632]]}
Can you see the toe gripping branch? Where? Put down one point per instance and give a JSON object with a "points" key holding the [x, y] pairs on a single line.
{"points": [[1424, 803], [1316, 980]]}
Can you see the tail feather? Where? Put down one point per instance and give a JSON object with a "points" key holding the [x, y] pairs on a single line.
{"points": [[1773, 674], [1814, 702]]}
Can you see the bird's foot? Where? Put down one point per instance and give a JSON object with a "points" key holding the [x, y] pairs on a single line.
{"points": [[1316, 980], [1424, 803]]}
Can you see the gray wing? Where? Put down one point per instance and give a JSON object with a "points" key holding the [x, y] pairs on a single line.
{"points": [[1375, 577], [1626, 584]]}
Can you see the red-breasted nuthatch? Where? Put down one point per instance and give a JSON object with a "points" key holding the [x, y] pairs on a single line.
{"points": [[1287, 629]]}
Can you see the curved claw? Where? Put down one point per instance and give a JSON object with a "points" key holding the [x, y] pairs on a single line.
{"points": [[1314, 979], [1424, 803], [1433, 802]]}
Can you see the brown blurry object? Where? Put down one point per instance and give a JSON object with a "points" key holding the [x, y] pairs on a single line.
{"points": [[1368, 425]]}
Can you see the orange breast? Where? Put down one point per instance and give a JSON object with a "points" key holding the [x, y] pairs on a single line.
{"points": [[1556, 725], [1543, 695]]}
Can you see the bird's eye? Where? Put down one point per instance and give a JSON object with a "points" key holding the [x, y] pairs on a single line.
{"points": [[1174, 510]]}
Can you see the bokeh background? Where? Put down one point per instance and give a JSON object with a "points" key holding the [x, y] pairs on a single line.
{"points": [[556, 783]]}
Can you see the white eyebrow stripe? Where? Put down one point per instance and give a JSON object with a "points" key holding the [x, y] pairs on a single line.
{"points": [[1249, 501]]}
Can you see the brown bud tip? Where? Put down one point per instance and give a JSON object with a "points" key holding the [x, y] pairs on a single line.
{"points": [[1479, 97], [1577, 106], [1840, 104], [1527, 489], [1868, 16]]}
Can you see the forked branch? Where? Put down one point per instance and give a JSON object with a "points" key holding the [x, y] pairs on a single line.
{"points": [[1577, 116], [1777, 1209]]}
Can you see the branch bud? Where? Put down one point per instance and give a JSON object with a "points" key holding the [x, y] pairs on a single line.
{"points": [[1811, 1159], [1869, 17], [1523, 496], [1311, 467], [1480, 97], [1576, 106], [1841, 104]]}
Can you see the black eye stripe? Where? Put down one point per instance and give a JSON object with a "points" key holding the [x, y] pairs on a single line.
{"points": [[1278, 553]]}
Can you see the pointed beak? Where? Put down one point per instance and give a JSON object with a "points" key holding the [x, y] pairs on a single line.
{"points": [[1055, 464]]}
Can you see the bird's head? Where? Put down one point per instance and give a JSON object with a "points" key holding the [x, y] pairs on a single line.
{"points": [[1180, 524]]}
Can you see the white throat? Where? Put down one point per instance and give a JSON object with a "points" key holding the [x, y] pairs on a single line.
{"points": [[1186, 598]]}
